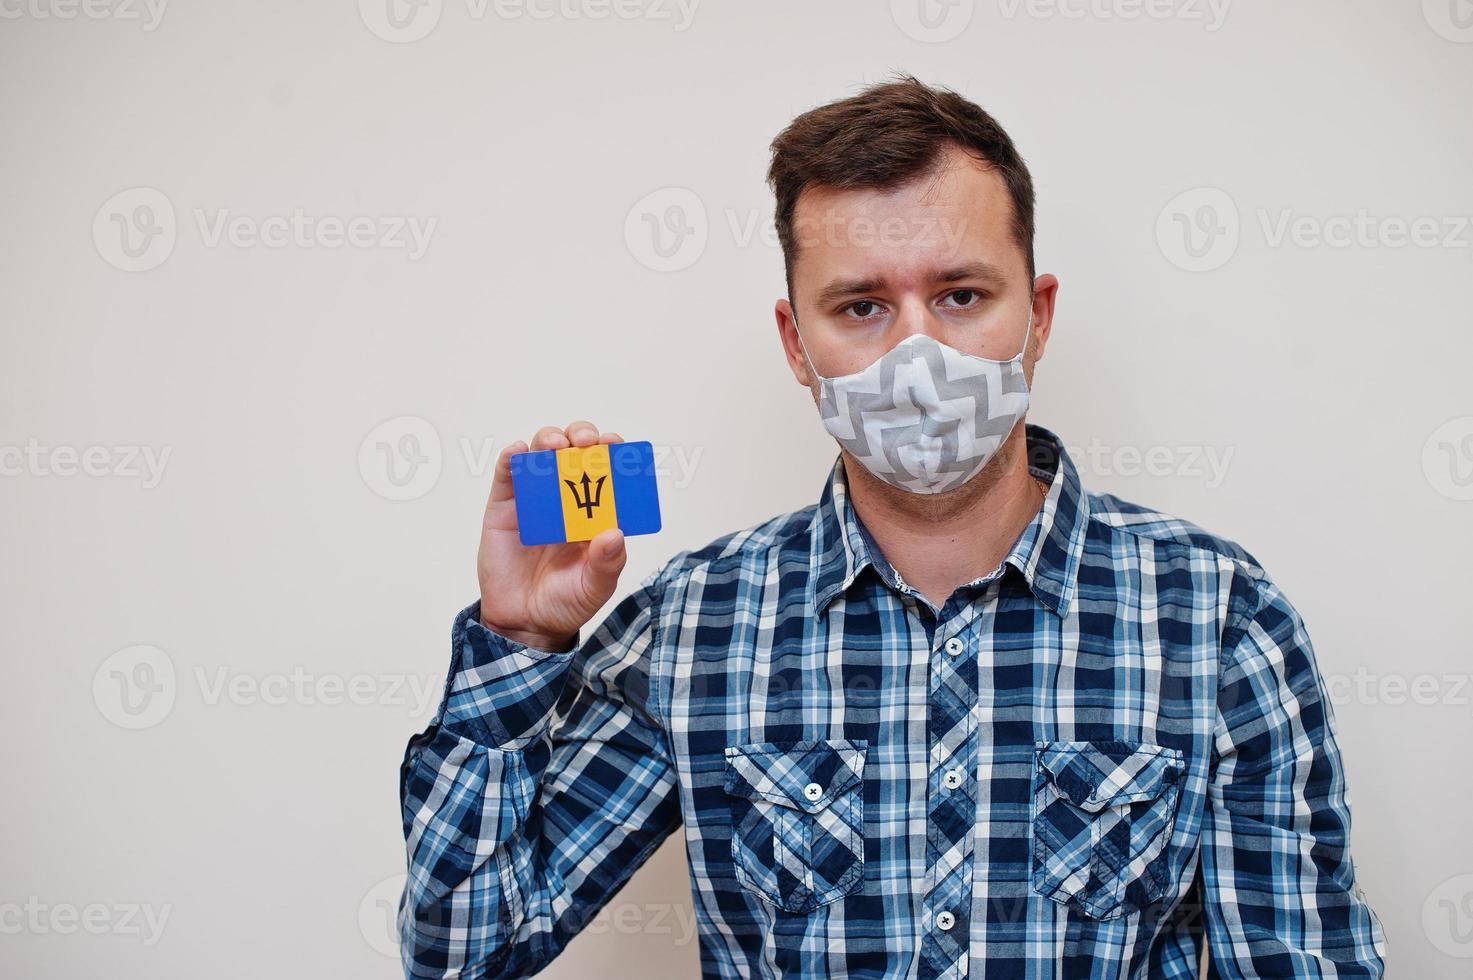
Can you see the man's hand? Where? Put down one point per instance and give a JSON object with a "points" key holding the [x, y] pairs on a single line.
{"points": [[542, 596]]}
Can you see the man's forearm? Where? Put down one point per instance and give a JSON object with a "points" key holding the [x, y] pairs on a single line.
{"points": [[544, 783], [467, 788]]}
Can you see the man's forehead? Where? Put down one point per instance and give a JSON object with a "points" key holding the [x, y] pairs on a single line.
{"points": [[957, 214], [887, 248]]}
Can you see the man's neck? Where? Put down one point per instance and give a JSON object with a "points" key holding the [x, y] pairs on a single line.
{"points": [[938, 542]]}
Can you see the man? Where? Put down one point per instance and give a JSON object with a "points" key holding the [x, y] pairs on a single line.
{"points": [[960, 718]]}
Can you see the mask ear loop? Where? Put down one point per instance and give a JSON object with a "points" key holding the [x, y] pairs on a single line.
{"points": [[1024, 352], [804, 348]]}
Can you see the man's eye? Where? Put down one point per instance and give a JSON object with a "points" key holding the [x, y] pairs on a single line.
{"points": [[964, 297], [863, 308]]}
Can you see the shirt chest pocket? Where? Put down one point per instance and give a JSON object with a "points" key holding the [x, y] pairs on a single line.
{"points": [[797, 819], [1103, 815]]}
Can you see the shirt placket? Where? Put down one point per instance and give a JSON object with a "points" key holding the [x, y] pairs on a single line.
{"points": [[951, 798]]}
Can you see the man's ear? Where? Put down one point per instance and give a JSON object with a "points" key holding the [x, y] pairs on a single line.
{"points": [[1045, 292], [787, 331]]}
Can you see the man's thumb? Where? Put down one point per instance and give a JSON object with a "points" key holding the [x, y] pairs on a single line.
{"points": [[606, 557]]}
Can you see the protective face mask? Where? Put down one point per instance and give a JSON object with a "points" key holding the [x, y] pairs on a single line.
{"points": [[925, 417]]}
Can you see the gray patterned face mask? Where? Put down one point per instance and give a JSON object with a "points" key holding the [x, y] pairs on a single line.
{"points": [[925, 417]]}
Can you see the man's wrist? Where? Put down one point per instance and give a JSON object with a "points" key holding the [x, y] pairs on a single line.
{"points": [[500, 691], [536, 641]]}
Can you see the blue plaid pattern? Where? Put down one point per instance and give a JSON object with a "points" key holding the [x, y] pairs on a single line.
{"points": [[1110, 751], [798, 818], [1102, 818]]}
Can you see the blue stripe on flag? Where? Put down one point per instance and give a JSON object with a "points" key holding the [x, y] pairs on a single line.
{"points": [[636, 501], [539, 498]]}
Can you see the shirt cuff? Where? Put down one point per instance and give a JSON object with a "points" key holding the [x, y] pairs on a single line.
{"points": [[500, 693]]}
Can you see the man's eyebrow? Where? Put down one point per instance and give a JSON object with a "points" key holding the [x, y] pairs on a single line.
{"points": [[841, 288], [974, 270], [849, 287]]}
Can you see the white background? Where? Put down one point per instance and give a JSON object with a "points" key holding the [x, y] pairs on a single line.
{"points": [[269, 574]]}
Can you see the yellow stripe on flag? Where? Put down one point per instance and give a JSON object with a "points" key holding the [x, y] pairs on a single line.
{"points": [[586, 485]]}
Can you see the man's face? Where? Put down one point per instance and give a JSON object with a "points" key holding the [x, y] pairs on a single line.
{"points": [[935, 256]]}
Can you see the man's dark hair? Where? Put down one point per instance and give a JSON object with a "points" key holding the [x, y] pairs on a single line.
{"points": [[883, 137]]}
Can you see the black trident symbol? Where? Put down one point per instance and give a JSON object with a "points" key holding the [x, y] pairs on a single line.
{"points": [[591, 497]]}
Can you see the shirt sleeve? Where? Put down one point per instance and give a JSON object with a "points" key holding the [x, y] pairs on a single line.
{"points": [[1279, 886], [543, 783]]}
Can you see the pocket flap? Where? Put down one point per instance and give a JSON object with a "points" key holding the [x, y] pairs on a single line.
{"points": [[807, 776], [1096, 775]]}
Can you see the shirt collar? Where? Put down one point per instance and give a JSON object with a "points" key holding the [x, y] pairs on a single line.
{"points": [[1047, 553]]}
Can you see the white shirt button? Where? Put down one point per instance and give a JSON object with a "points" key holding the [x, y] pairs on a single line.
{"points": [[954, 646], [945, 920], [952, 779], [813, 791]]}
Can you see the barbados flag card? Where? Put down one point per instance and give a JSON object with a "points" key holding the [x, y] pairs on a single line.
{"points": [[572, 494]]}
